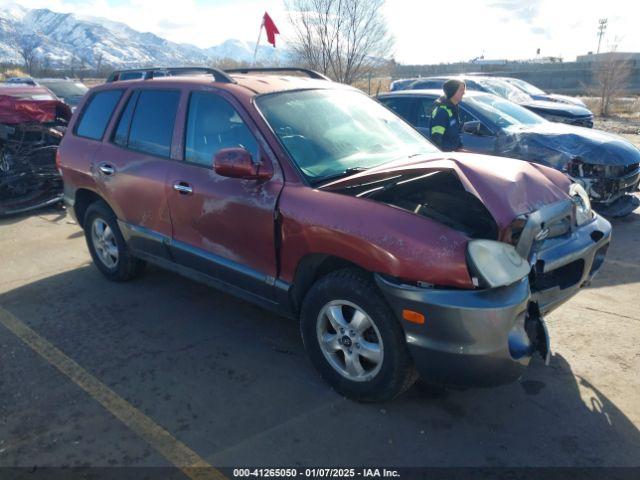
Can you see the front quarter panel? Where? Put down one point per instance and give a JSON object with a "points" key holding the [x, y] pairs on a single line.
{"points": [[372, 235]]}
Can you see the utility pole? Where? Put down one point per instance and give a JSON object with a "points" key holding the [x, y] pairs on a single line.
{"points": [[602, 26]]}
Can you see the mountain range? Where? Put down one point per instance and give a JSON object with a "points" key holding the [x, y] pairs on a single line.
{"points": [[65, 38]]}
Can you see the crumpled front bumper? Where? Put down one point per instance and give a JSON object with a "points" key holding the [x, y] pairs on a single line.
{"points": [[612, 196], [487, 337]]}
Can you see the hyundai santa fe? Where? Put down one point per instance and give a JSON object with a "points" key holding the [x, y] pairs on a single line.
{"points": [[311, 199]]}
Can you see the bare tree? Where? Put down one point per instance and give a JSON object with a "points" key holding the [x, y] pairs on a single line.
{"points": [[344, 39], [611, 75], [27, 46]]}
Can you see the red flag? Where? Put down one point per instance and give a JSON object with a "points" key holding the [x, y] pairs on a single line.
{"points": [[270, 28]]}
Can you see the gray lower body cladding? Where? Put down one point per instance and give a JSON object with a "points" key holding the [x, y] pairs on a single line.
{"points": [[487, 337]]}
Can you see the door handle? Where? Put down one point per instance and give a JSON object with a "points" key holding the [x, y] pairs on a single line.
{"points": [[183, 188], [107, 169]]}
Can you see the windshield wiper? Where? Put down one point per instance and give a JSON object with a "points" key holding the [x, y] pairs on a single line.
{"points": [[336, 176]]}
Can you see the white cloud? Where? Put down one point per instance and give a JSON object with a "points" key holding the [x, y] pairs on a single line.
{"points": [[435, 31]]}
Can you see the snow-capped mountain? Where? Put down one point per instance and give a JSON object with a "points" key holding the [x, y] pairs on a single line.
{"points": [[65, 38]]}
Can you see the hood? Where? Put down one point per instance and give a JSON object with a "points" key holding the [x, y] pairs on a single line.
{"points": [[555, 144], [558, 108], [552, 97], [506, 187]]}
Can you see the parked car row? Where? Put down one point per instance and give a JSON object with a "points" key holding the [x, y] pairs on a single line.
{"points": [[606, 165], [548, 107], [312, 199]]}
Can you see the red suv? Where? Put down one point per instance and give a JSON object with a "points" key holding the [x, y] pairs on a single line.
{"points": [[309, 198]]}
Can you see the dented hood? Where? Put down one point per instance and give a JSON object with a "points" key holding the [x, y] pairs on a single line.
{"points": [[506, 187], [555, 144]]}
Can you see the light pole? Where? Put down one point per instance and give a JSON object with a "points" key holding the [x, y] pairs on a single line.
{"points": [[602, 26]]}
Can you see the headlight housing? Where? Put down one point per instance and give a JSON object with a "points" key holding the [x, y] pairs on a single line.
{"points": [[582, 204], [495, 264]]}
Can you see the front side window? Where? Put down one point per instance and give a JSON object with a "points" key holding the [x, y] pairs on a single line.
{"points": [[424, 112], [153, 119], [213, 124], [97, 113], [329, 133]]}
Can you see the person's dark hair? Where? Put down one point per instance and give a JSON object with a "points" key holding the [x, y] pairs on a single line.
{"points": [[451, 86]]}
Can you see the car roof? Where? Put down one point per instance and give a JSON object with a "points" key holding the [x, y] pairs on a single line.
{"points": [[428, 92], [24, 90], [251, 84]]}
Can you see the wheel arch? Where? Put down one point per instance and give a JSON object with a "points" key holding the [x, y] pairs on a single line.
{"points": [[83, 198], [310, 269]]}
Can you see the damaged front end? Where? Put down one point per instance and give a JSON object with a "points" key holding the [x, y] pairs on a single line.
{"points": [[30, 131], [610, 187], [522, 268], [605, 165]]}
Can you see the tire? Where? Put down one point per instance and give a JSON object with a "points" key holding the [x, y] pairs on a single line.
{"points": [[107, 245], [372, 338]]}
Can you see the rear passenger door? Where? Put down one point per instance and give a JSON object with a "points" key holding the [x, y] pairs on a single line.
{"points": [[223, 227], [132, 167]]}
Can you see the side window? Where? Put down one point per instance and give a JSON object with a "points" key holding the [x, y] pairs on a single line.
{"points": [[466, 116], [402, 106], [97, 113], [121, 135], [152, 123], [424, 112], [213, 124]]}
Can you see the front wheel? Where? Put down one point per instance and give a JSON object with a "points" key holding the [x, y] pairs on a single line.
{"points": [[353, 338]]}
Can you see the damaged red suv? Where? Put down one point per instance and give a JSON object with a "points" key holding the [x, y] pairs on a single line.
{"points": [[311, 199]]}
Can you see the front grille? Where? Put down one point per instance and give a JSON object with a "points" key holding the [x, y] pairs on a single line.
{"points": [[563, 277]]}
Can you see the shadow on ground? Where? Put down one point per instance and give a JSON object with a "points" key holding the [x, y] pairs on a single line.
{"points": [[232, 382]]}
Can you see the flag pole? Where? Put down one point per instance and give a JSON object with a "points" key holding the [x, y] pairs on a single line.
{"points": [[255, 52]]}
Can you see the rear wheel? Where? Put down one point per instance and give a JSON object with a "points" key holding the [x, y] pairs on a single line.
{"points": [[107, 245], [353, 338]]}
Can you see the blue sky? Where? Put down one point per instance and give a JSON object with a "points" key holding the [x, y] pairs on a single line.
{"points": [[425, 31]]}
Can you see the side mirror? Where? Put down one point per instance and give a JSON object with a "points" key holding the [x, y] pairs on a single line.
{"points": [[238, 163], [475, 127]]}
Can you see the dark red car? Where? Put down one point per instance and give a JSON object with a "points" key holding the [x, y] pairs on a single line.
{"points": [[310, 198]]}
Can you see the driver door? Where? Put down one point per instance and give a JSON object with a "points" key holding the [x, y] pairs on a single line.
{"points": [[483, 141], [223, 227]]}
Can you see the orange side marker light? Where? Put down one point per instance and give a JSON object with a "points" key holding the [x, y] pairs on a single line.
{"points": [[413, 317]]}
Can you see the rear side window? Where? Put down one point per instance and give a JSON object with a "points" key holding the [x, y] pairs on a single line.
{"points": [[402, 106], [121, 135], [154, 115], [97, 113]]}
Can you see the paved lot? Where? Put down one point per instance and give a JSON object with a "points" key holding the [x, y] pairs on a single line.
{"points": [[231, 383]]}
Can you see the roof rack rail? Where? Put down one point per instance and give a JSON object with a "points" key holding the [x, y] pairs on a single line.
{"points": [[149, 73], [306, 71]]}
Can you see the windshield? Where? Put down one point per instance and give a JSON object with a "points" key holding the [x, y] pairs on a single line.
{"points": [[65, 89], [505, 90], [332, 132], [526, 86], [501, 112]]}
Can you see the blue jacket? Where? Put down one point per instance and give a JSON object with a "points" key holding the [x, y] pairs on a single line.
{"points": [[445, 125]]}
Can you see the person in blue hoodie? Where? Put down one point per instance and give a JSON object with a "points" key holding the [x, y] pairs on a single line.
{"points": [[445, 117]]}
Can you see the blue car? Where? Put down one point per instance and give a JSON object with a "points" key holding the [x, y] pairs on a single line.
{"points": [[607, 166], [552, 111]]}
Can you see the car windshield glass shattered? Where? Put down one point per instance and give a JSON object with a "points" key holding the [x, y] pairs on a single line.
{"points": [[502, 113], [505, 90], [527, 87], [330, 133]]}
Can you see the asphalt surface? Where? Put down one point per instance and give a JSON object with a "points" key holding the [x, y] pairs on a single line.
{"points": [[231, 382]]}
